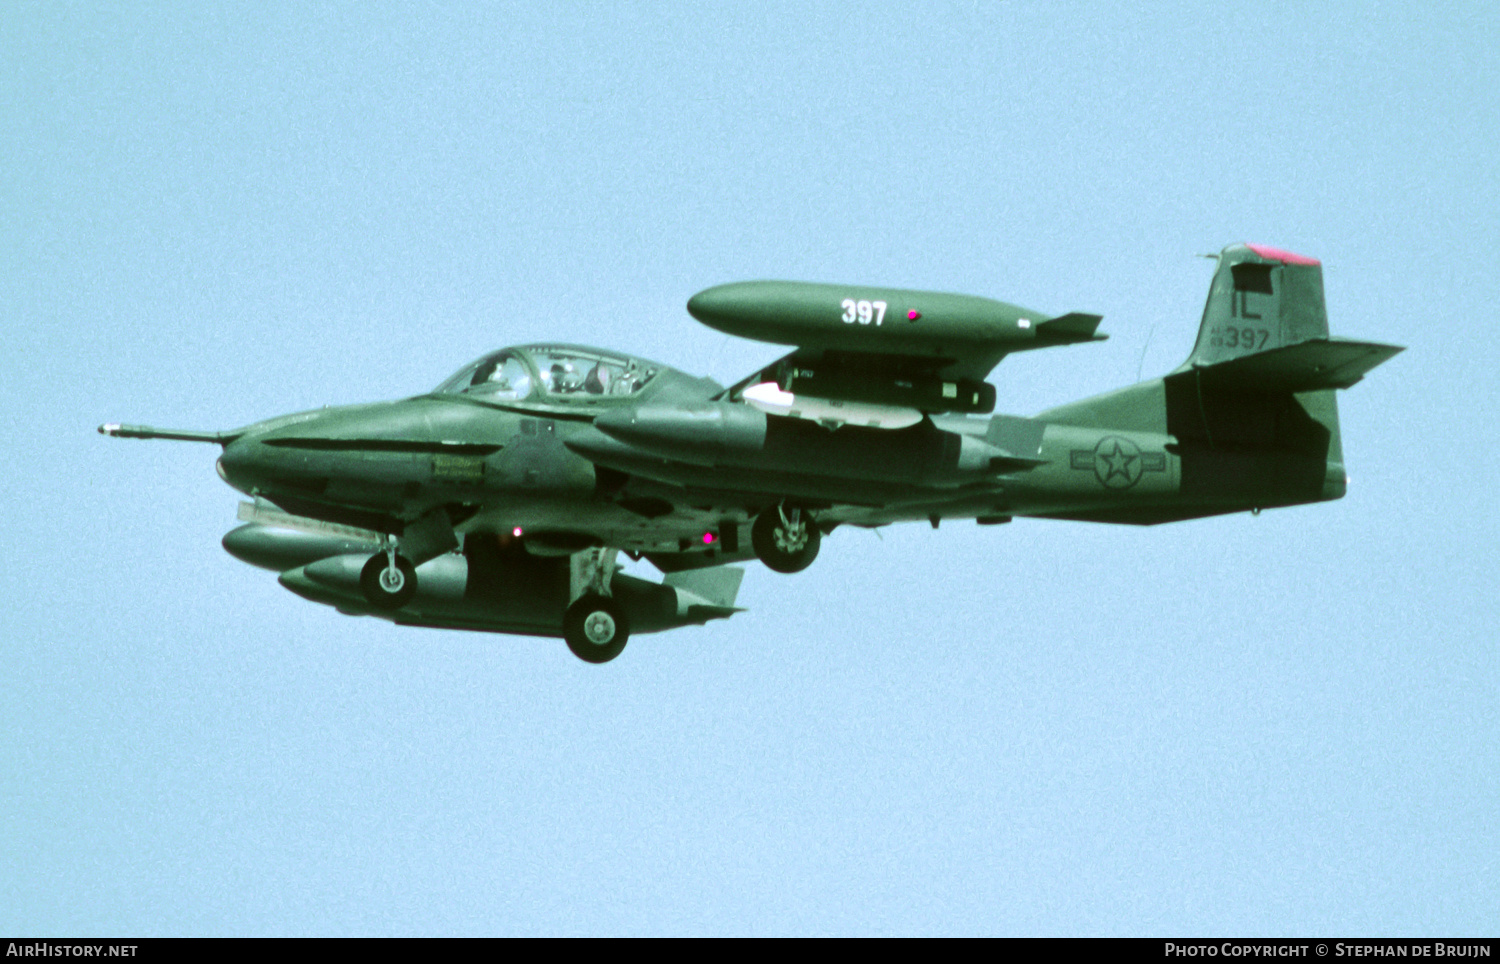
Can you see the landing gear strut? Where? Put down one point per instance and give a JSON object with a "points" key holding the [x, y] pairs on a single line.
{"points": [[785, 539], [594, 625], [389, 580]]}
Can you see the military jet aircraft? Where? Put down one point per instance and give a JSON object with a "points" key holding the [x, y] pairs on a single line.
{"points": [[501, 499]]}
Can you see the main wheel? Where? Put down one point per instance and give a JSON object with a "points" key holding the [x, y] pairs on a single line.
{"points": [[387, 588], [595, 628], [786, 540]]}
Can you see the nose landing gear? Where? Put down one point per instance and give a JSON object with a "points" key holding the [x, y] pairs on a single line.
{"points": [[388, 580]]}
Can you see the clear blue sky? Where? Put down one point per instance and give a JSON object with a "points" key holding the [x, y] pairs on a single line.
{"points": [[214, 214]]}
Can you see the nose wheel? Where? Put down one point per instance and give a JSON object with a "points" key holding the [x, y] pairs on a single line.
{"points": [[595, 628], [785, 539], [388, 580]]}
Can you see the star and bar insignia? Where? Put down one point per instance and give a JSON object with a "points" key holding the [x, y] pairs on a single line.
{"points": [[1117, 462]]}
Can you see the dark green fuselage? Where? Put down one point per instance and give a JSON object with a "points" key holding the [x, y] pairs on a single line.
{"points": [[537, 462]]}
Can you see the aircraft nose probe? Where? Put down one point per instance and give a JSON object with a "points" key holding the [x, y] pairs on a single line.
{"points": [[116, 430]]}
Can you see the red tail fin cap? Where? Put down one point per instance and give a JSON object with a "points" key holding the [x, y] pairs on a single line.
{"points": [[1285, 257]]}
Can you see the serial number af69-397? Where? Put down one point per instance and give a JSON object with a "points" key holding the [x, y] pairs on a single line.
{"points": [[863, 311]]}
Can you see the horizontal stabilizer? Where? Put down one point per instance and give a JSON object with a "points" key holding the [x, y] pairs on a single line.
{"points": [[1075, 326], [1303, 367]]}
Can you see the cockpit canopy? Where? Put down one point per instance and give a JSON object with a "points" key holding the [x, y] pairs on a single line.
{"points": [[550, 372]]}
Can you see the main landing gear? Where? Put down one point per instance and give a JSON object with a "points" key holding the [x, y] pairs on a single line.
{"points": [[595, 628], [785, 539], [594, 625]]}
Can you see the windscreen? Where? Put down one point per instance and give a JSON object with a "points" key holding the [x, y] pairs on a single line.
{"points": [[520, 373], [502, 375]]}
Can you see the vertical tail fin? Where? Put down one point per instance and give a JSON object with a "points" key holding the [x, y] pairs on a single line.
{"points": [[1262, 379], [1265, 328], [1261, 299]]}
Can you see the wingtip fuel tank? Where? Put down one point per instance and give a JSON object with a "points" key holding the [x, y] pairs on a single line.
{"points": [[856, 318]]}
